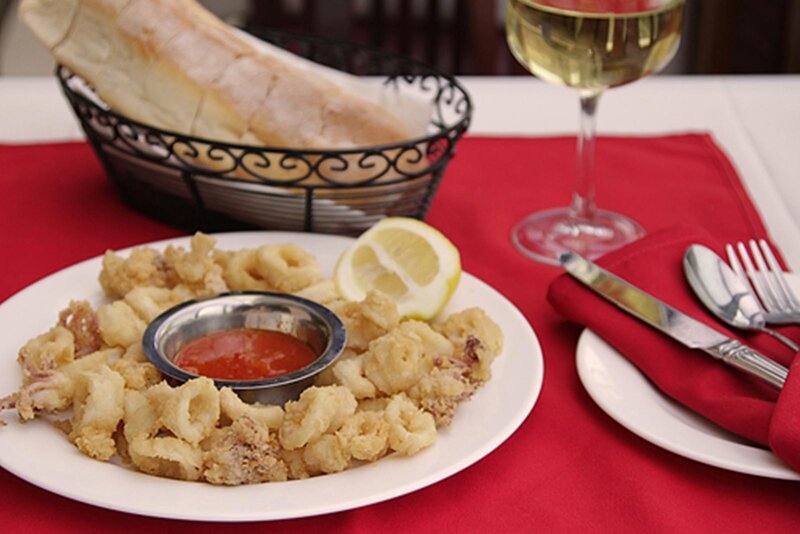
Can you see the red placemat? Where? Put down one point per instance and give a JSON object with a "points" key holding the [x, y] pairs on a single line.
{"points": [[569, 466]]}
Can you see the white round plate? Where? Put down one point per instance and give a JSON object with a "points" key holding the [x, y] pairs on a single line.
{"points": [[40, 454], [624, 393]]}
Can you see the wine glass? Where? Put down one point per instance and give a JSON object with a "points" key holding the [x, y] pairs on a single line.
{"points": [[590, 45]]}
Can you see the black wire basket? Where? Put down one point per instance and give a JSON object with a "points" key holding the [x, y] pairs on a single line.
{"points": [[201, 184]]}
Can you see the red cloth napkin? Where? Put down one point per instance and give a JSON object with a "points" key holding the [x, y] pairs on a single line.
{"points": [[784, 427], [569, 467], [731, 398]]}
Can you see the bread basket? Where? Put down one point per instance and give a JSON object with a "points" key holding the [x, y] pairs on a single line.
{"points": [[200, 184]]}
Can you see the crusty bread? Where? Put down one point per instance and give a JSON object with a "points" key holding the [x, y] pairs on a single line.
{"points": [[174, 65]]}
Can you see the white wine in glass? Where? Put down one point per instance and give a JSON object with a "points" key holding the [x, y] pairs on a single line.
{"points": [[589, 45]]}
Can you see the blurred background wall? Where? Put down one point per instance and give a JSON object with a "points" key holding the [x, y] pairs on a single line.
{"points": [[466, 36]]}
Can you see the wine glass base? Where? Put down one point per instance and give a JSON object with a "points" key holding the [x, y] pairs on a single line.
{"points": [[545, 235]]}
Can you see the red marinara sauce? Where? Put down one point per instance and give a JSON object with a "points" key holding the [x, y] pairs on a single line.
{"points": [[244, 354]]}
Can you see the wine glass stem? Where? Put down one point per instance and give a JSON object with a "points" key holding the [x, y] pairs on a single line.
{"points": [[583, 206]]}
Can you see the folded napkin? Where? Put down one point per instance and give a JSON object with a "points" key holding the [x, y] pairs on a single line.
{"points": [[731, 398]]}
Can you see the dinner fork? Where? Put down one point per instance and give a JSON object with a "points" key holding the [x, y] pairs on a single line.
{"points": [[766, 277]]}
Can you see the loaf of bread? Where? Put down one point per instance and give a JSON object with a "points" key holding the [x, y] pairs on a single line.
{"points": [[174, 65]]}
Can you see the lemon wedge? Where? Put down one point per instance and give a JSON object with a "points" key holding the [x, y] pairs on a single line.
{"points": [[406, 259]]}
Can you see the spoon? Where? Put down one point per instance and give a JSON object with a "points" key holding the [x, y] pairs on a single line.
{"points": [[724, 293]]}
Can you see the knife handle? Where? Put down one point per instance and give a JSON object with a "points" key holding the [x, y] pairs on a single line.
{"points": [[743, 357]]}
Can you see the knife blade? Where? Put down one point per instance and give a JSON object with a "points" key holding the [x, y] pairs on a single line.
{"points": [[679, 326]]}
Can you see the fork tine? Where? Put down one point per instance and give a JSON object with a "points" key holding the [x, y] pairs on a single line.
{"points": [[789, 300], [769, 276], [776, 304], [761, 289], [736, 265]]}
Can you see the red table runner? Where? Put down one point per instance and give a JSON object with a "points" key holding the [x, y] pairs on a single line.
{"points": [[569, 467]]}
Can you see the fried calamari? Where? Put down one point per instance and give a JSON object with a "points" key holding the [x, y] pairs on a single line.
{"points": [[395, 384]]}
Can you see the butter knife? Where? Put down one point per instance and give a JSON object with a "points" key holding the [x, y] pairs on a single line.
{"points": [[676, 324]]}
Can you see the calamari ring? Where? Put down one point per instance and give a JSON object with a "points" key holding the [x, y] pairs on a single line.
{"points": [[267, 415], [410, 429], [45, 352], [167, 457], [192, 411], [97, 409], [242, 273], [350, 374], [326, 454], [365, 435], [317, 411], [288, 268], [394, 362], [140, 420]]}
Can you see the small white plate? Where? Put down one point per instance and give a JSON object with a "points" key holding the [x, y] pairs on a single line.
{"points": [[40, 454], [625, 394]]}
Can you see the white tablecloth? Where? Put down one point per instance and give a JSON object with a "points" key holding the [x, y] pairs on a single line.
{"points": [[756, 119]]}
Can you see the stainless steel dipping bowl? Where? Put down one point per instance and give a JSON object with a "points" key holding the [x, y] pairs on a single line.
{"points": [[306, 320]]}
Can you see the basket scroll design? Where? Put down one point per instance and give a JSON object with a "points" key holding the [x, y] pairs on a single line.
{"points": [[199, 184]]}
